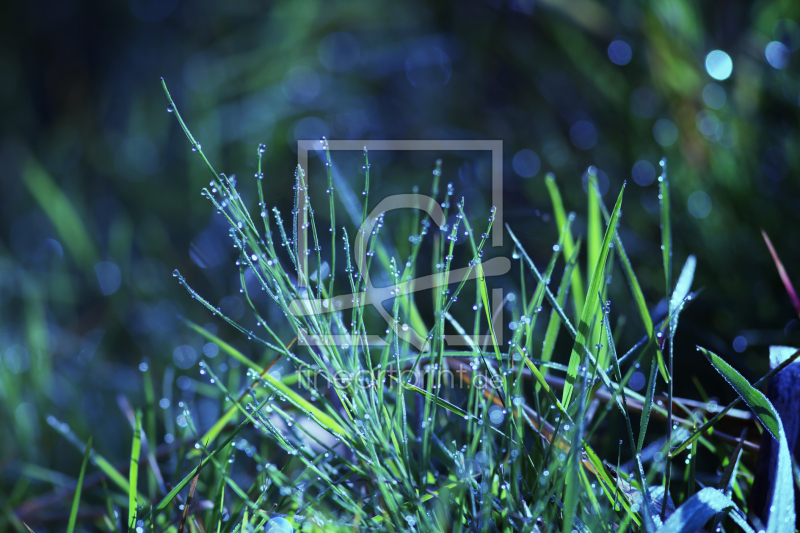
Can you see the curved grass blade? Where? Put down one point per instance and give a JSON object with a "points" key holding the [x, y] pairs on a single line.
{"points": [[782, 511], [76, 501], [708, 425], [297, 400], [589, 312], [98, 460], [782, 273], [692, 515]]}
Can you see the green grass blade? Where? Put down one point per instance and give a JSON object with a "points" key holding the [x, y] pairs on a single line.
{"points": [[782, 510], [76, 501], [325, 420], [186, 480], [573, 466], [754, 398], [61, 212], [554, 324], [638, 296], [594, 229], [569, 245], [591, 304], [708, 425], [485, 298], [98, 460], [647, 408], [594, 240], [666, 230], [133, 477]]}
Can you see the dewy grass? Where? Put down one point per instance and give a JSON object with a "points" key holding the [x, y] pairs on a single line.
{"points": [[388, 437]]}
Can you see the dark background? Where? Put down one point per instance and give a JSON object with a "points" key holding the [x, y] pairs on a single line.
{"points": [[101, 191]]}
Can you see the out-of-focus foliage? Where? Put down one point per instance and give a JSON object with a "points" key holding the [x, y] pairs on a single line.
{"points": [[101, 190]]}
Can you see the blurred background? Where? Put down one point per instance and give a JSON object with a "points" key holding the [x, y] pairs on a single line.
{"points": [[101, 191]]}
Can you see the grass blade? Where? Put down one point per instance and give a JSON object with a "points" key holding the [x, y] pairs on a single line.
{"points": [[638, 295], [61, 212], [325, 420], [133, 477], [76, 501], [594, 225], [782, 273], [666, 231], [754, 398], [589, 312], [190, 496], [647, 408], [569, 245], [692, 515], [728, 478], [554, 324], [781, 510], [708, 425]]}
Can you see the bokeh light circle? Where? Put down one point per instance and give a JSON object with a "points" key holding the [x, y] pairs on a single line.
{"points": [[643, 172], [665, 132], [526, 163], [719, 65], [620, 53], [714, 96], [699, 204], [777, 55], [583, 135]]}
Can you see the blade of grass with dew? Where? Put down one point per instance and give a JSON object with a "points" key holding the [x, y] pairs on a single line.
{"points": [[573, 465], [720, 414], [76, 500], [293, 397], [485, 298], [593, 241], [676, 303], [133, 477], [569, 246], [697, 510], [636, 290], [691, 469], [590, 307], [554, 324], [666, 230], [782, 510]]}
